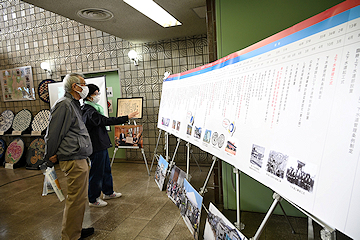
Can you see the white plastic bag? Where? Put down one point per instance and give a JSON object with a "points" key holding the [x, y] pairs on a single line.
{"points": [[47, 189], [50, 176]]}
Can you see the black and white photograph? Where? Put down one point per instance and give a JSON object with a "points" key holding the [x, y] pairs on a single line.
{"points": [[257, 155], [277, 163], [301, 174]]}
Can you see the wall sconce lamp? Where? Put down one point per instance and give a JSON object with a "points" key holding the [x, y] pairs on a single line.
{"points": [[46, 66], [134, 57]]}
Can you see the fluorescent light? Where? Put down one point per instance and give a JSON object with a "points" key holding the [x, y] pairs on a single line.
{"points": [[152, 10]]}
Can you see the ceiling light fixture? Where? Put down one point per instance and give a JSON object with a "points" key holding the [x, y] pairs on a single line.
{"points": [[95, 14], [152, 10]]}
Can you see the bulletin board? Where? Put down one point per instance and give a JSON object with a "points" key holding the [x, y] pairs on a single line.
{"points": [[17, 84], [285, 111]]}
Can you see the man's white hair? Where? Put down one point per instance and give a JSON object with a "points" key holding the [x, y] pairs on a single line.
{"points": [[70, 79]]}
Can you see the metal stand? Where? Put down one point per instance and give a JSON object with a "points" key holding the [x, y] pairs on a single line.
{"points": [[142, 152], [327, 233], [187, 160], [155, 150], [277, 199], [167, 146], [238, 224], [203, 190], [171, 164]]}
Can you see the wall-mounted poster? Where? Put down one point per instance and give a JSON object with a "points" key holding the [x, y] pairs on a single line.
{"points": [[128, 136], [125, 106], [217, 226], [17, 84], [160, 172]]}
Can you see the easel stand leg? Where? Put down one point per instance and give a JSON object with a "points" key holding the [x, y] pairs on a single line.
{"points": [[167, 146], [173, 158], [287, 219], [187, 160], [155, 154], [277, 199], [112, 160], [191, 153], [310, 229], [143, 153], [203, 190], [240, 226]]}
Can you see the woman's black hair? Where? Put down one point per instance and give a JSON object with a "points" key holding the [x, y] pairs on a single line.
{"points": [[92, 89]]}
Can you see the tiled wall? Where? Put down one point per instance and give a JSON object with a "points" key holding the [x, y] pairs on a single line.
{"points": [[30, 35]]}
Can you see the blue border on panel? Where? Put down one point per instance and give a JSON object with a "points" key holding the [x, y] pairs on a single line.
{"points": [[331, 22]]}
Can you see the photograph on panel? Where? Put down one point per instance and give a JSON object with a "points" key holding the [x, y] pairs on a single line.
{"points": [[160, 172], [257, 155], [221, 140], [207, 136], [175, 185], [214, 138], [128, 135], [301, 174], [218, 227], [177, 125], [277, 163], [190, 208], [197, 132], [165, 121], [230, 148]]}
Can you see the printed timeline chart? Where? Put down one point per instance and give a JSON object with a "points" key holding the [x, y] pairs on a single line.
{"points": [[285, 111]]}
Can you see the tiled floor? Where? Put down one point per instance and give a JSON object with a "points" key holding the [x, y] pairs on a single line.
{"points": [[143, 212]]}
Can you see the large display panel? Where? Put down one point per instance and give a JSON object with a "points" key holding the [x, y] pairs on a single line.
{"points": [[56, 91], [285, 111]]}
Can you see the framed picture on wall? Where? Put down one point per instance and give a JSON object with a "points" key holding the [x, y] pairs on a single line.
{"points": [[17, 84], [125, 106]]}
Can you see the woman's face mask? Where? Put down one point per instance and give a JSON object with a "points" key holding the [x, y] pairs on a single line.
{"points": [[96, 98]]}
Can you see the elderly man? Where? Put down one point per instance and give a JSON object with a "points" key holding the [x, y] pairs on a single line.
{"points": [[68, 141]]}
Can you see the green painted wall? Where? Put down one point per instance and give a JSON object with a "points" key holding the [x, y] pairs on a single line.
{"points": [[112, 80], [239, 24]]}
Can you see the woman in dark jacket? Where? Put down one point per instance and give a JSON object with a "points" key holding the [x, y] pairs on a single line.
{"points": [[100, 178]]}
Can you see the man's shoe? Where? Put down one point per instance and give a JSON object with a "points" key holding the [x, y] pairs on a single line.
{"points": [[98, 203], [85, 232], [113, 195]]}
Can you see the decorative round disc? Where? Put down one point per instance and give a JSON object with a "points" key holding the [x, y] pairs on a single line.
{"points": [[22, 120], [6, 120], [41, 120], [14, 151], [2, 149], [43, 90], [35, 153]]}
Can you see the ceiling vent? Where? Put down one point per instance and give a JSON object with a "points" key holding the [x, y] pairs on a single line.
{"points": [[95, 14]]}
